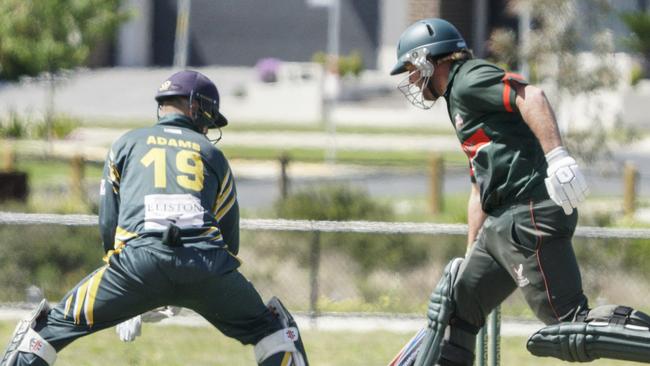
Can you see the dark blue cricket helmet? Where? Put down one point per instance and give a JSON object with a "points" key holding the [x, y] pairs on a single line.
{"points": [[195, 86]]}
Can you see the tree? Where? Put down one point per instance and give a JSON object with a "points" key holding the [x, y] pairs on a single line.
{"points": [[49, 35], [639, 41], [563, 30]]}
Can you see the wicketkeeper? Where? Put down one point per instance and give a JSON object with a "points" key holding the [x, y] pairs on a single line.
{"points": [[521, 213], [169, 222]]}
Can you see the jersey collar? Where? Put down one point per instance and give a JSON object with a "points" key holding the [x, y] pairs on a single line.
{"points": [[452, 74], [177, 120]]}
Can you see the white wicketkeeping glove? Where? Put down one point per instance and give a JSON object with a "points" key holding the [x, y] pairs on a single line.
{"points": [[565, 183], [130, 329], [156, 315]]}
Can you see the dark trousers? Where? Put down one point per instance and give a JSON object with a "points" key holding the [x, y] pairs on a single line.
{"points": [[526, 246], [139, 279]]}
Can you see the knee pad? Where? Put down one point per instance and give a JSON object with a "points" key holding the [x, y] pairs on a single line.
{"points": [[458, 346], [441, 307], [286, 340], [26, 340], [454, 355], [611, 331]]}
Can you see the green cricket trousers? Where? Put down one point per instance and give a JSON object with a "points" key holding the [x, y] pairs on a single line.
{"points": [[526, 246], [141, 278]]}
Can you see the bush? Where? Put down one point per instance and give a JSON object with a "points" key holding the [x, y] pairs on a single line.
{"points": [[61, 126], [14, 127], [639, 40], [636, 74], [53, 258], [26, 126], [352, 64], [340, 203]]}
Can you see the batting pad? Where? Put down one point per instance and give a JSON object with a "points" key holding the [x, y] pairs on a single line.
{"points": [[627, 340]]}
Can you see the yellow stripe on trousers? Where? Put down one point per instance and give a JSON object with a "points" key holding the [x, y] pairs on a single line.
{"points": [[286, 359], [79, 301], [92, 293], [68, 302]]}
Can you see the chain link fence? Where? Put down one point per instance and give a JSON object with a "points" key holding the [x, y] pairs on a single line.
{"points": [[323, 267]]}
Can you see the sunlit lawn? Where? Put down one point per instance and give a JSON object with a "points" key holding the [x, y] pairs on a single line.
{"points": [[178, 345]]}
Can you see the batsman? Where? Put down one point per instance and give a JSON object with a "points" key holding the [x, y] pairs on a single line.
{"points": [[169, 222], [522, 213]]}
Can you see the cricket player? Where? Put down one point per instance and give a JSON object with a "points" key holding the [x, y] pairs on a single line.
{"points": [[169, 223], [522, 213]]}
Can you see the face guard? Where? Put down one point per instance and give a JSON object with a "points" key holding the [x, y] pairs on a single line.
{"points": [[207, 114], [412, 89]]}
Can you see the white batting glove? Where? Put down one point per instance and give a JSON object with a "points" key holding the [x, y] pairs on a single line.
{"points": [[130, 329], [565, 183]]}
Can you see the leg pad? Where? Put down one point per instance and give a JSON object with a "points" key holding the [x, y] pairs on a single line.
{"points": [[615, 332], [26, 340], [441, 307]]}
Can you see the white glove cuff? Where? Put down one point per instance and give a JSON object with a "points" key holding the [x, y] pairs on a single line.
{"points": [[556, 154]]}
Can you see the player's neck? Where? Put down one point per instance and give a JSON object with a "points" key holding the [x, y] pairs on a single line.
{"points": [[168, 109]]}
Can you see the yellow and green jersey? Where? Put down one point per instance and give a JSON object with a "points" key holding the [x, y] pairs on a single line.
{"points": [[505, 158], [168, 174]]}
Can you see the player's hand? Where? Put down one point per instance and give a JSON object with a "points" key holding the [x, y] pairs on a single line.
{"points": [[156, 315], [565, 183], [130, 329]]}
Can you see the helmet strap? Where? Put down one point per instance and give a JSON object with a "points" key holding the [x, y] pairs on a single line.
{"points": [[429, 85], [214, 141]]}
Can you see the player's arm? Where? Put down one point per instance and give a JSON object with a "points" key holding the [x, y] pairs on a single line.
{"points": [[109, 201], [229, 226], [475, 215], [565, 183], [226, 210], [536, 111]]}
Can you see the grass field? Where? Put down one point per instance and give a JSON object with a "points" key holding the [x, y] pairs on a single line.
{"points": [[177, 345]]}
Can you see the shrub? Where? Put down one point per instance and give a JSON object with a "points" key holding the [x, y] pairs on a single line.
{"points": [[340, 203], [53, 258], [61, 126], [351, 64], [14, 127], [27, 126]]}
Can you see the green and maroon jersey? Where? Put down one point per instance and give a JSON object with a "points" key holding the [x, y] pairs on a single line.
{"points": [[505, 158], [168, 174]]}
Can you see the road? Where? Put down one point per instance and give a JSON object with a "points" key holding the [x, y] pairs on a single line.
{"points": [[261, 192], [257, 181]]}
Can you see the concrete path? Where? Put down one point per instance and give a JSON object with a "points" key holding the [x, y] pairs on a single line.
{"points": [[333, 323]]}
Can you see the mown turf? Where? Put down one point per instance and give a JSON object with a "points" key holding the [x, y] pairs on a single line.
{"points": [[178, 345]]}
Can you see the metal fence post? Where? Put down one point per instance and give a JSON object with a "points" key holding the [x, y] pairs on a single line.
{"points": [[495, 337], [481, 347], [314, 266], [488, 340]]}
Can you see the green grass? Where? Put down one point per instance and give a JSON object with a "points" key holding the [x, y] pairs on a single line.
{"points": [[374, 158], [177, 345], [50, 171], [256, 126]]}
